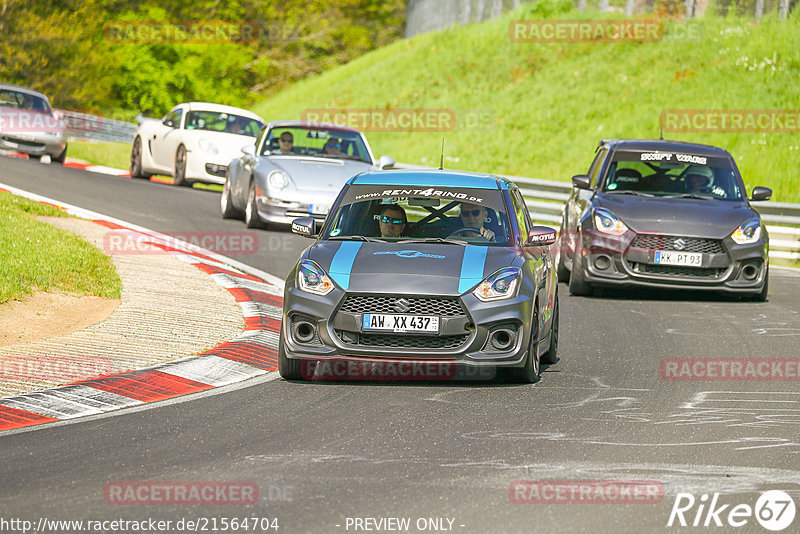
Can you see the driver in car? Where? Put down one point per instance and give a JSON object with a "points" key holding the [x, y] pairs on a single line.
{"points": [[392, 220], [699, 180], [474, 216]]}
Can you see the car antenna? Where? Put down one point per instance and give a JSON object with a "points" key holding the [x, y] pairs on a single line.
{"points": [[441, 160]]}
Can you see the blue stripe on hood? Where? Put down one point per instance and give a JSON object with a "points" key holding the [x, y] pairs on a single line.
{"points": [[472, 267], [342, 263]]}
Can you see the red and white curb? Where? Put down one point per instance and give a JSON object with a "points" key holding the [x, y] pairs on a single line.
{"points": [[78, 164], [252, 353]]}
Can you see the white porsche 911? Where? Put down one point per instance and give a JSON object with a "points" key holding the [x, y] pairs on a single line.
{"points": [[194, 142]]}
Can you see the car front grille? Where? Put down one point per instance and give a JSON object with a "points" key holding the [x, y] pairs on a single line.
{"points": [[671, 242], [24, 142], [447, 307], [677, 271], [406, 341]]}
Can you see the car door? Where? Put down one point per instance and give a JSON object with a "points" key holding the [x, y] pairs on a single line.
{"points": [[165, 140], [538, 257], [579, 201]]}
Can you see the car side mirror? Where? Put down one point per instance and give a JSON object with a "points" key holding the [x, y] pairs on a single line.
{"points": [[541, 236], [761, 193], [305, 226], [169, 123], [581, 181], [386, 162], [249, 150]]}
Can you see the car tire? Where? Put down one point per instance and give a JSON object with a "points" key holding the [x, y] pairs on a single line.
{"points": [[289, 369], [225, 203], [529, 374], [577, 283], [551, 356], [251, 218], [136, 160], [761, 296], [180, 168], [60, 158]]}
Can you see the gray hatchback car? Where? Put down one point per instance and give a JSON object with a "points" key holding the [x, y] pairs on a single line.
{"points": [[421, 275], [28, 124]]}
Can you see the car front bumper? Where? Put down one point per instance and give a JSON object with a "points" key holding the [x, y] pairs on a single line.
{"points": [[34, 144], [629, 260]]}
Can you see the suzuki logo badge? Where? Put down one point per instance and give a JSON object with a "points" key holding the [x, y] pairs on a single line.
{"points": [[680, 244], [401, 305]]}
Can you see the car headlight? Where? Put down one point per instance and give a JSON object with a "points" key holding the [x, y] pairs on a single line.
{"points": [[208, 147], [278, 180], [749, 232], [312, 279], [608, 223], [500, 285]]}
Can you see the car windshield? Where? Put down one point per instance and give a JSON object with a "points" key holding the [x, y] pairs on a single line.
{"points": [[672, 174], [222, 122], [400, 213], [319, 142], [21, 100]]}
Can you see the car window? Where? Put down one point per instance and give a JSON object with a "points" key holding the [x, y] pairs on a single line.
{"points": [[521, 213], [597, 164], [214, 121], [175, 116], [670, 174], [312, 141], [22, 100], [420, 213]]}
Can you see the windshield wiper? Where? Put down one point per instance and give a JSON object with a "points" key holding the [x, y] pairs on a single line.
{"points": [[629, 192], [357, 238], [707, 196], [436, 240]]}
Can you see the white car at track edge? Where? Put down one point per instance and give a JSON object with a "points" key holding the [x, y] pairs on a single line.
{"points": [[194, 142]]}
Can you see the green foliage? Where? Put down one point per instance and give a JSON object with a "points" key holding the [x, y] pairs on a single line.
{"points": [[64, 48], [40, 257]]}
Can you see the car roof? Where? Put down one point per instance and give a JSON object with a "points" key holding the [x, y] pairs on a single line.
{"points": [[432, 178], [310, 124], [221, 108], [22, 89], [663, 145]]}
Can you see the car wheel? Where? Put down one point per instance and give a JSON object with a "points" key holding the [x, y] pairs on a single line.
{"points": [[61, 158], [180, 168], [577, 283], [761, 296], [551, 356], [225, 203], [136, 160], [288, 369], [251, 218], [530, 372]]}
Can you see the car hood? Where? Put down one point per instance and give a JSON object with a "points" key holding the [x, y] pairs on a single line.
{"points": [[314, 174], [677, 216], [229, 145], [409, 268]]}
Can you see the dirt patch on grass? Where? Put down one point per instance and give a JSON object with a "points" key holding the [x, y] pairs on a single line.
{"points": [[50, 314]]}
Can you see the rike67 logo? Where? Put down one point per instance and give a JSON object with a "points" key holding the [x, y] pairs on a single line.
{"points": [[774, 510]]}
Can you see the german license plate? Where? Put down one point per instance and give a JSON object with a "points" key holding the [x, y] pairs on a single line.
{"points": [[400, 323], [321, 209], [686, 259]]}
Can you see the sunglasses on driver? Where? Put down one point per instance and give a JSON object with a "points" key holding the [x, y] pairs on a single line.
{"points": [[393, 220]]}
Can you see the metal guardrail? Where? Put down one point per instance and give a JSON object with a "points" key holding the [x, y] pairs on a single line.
{"points": [[94, 128], [546, 199]]}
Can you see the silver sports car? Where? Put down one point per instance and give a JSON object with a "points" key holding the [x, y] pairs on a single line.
{"points": [[28, 124], [295, 169]]}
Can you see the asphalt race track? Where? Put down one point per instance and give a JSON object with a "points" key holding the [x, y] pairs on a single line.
{"points": [[323, 452]]}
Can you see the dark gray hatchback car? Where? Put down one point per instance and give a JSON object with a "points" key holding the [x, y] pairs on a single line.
{"points": [[421, 275], [663, 214]]}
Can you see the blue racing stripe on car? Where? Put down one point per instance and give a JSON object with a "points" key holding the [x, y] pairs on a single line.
{"points": [[472, 267], [342, 263]]}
